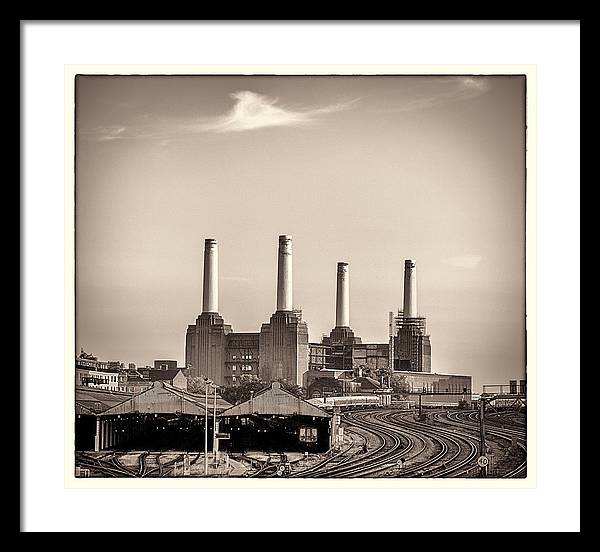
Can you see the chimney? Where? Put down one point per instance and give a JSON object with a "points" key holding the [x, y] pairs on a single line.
{"points": [[210, 290], [342, 304], [410, 289], [284, 274]]}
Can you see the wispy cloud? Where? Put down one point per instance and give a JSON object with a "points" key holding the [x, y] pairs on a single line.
{"points": [[463, 261], [120, 132], [111, 133], [456, 89], [250, 111]]}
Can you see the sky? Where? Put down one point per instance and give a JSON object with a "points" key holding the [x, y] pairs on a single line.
{"points": [[370, 170]]}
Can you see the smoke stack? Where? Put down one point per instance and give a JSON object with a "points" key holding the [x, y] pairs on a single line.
{"points": [[410, 289], [342, 304], [210, 290], [284, 274]]}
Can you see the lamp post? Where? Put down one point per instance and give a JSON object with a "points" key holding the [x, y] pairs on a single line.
{"points": [[482, 445], [207, 383], [215, 440]]}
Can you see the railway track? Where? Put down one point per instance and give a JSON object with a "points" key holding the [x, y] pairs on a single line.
{"points": [[458, 450], [498, 430], [428, 451], [449, 447], [266, 468], [341, 458], [388, 444], [110, 465]]}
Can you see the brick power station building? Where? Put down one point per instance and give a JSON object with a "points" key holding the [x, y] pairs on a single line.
{"points": [[408, 347], [281, 350], [278, 352]]}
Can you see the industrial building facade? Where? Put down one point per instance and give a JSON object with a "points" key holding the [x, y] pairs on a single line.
{"points": [[408, 348], [409, 345], [281, 350]]}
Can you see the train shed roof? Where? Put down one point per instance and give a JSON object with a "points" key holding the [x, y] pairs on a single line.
{"points": [[163, 398], [276, 401], [90, 400]]}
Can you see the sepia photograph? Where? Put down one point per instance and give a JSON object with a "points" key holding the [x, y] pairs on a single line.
{"points": [[278, 274], [300, 276]]}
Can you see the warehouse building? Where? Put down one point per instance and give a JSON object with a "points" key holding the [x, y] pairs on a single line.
{"points": [[160, 418], [275, 420]]}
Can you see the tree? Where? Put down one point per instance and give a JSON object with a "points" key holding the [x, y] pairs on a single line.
{"points": [[195, 385], [296, 390], [400, 387], [241, 393]]}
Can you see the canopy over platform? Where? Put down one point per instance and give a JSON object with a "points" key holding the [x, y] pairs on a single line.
{"points": [[92, 401], [276, 401], [163, 398]]}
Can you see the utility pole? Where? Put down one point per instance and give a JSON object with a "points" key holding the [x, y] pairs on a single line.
{"points": [[215, 440], [482, 447], [207, 382]]}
